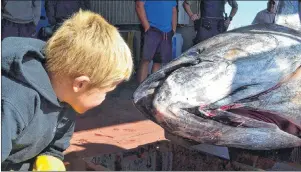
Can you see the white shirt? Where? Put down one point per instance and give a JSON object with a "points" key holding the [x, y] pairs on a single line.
{"points": [[264, 16]]}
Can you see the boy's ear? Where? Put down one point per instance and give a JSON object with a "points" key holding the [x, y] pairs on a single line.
{"points": [[80, 83]]}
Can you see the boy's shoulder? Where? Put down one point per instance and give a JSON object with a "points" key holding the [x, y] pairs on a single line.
{"points": [[8, 41], [25, 82], [18, 97]]}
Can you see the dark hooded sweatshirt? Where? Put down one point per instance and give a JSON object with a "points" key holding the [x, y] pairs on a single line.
{"points": [[33, 121]]}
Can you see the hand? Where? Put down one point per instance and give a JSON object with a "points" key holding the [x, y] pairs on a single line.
{"points": [[194, 17], [146, 28], [227, 22]]}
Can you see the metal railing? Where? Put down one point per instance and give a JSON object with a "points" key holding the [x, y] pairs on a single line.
{"points": [[117, 12]]}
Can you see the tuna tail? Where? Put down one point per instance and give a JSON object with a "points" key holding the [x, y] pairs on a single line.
{"points": [[288, 14]]}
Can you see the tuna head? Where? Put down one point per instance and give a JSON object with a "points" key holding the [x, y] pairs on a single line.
{"points": [[214, 92]]}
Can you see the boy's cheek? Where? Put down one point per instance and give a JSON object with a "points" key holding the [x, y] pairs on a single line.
{"points": [[88, 104]]}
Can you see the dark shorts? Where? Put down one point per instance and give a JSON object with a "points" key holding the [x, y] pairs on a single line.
{"points": [[157, 46], [18, 30]]}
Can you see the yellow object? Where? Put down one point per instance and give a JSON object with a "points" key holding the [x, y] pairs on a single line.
{"points": [[48, 163]]}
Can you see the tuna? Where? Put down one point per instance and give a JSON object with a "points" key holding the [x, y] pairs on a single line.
{"points": [[238, 89]]}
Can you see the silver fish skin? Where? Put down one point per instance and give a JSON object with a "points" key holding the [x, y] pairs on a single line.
{"points": [[253, 67]]}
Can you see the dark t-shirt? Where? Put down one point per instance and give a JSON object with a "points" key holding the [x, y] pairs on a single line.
{"points": [[211, 8]]}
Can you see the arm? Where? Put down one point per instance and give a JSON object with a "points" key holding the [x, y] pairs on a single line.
{"points": [[234, 9], [59, 145], [51, 159], [63, 135], [233, 12], [50, 11], [37, 11], [142, 15], [186, 6], [174, 19], [11, 125]]}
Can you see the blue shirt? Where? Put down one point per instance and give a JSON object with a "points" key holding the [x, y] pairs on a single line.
{"points": [[159, 14]]}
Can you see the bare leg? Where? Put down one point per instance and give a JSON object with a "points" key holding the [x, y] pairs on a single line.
{"points": [[143, 71], [156, 67]]}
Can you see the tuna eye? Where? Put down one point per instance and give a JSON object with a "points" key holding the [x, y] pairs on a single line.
{"points": [[201, 50], [195, 52]]}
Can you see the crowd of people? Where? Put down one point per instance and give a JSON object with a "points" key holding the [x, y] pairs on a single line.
{"points": [[158, 18]]}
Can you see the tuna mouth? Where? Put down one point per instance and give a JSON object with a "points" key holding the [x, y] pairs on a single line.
{"points": [[144, 94], [257, 118], [247, 113], [269, 117], [201, 128]]}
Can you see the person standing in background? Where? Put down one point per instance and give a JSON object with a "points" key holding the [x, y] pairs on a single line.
{"points": [[159, 20], [212, 20], [59, 10], [20, 18], [267, 15]]}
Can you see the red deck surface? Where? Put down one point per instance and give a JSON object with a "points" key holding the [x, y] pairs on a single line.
{"points": [[116, 125], [113, 126]]}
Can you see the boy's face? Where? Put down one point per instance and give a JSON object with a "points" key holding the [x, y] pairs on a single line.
{"points": [[89, 99], [78, 94]]}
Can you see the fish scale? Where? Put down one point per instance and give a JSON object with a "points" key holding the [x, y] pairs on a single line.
{"points": [[199, 90]]}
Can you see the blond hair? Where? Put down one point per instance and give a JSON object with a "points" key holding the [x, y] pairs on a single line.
{"points": [[86, 44]]}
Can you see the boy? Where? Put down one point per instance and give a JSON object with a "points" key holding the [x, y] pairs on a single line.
{"points": [[45, 85]]}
